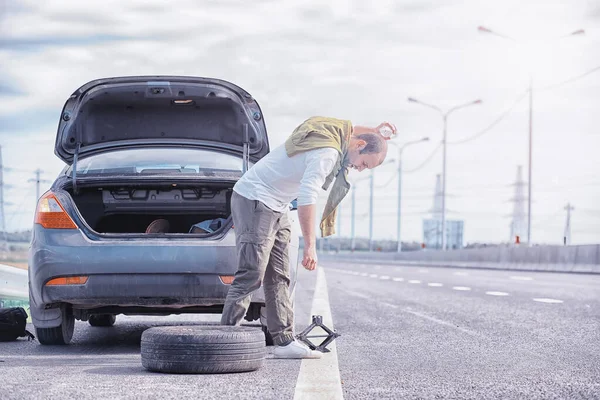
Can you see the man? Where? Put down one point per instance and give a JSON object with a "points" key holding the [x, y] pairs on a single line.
{"points": [[319, 150]]}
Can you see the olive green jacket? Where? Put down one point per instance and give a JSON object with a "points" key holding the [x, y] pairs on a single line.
{"points": [[319, 132]]}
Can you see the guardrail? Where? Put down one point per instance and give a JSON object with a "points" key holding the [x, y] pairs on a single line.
{"points": [[583, 259], [13, 283]]}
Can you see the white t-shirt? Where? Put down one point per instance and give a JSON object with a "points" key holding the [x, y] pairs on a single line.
{"points": [[277, 179]]}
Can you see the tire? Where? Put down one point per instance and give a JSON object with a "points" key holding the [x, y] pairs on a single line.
{"points": [[202, 349], [61, 334], [102, 320]]}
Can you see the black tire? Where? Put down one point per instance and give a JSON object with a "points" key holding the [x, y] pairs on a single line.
{"points": [[102, 320], [61, 334], [202, 349]]}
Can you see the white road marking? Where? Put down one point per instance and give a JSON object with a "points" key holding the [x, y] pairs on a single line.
{"points": [[434, 284], [423, 271], [397, 279], [320, 378], [373, 276], [496, 293], [521, 278], [550, 301], [384, 277], [414, 281], [461, 288], [364, 274], [461, 273]]}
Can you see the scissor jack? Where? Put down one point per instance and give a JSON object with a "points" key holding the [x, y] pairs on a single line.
{"points": [[317, 321]]}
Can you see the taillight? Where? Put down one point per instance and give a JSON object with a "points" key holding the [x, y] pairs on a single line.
{"points": [[69, 280], [51, 214]]}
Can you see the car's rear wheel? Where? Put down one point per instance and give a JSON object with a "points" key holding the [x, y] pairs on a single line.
{"points": [[61, 334], [102, 320]]}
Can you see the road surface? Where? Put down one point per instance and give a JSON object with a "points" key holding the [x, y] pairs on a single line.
{"points": [[407, 332]]}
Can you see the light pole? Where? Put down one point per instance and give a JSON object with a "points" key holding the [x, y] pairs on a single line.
{"points": [[400, 150], [444, 144], [483, 29]]}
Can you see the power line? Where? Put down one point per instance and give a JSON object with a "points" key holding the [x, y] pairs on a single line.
{"points": [[496, 121], [573, 79], [429, 158]]}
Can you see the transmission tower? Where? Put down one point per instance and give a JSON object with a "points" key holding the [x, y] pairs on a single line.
{"points": [[3, 239], [518, 224], [567, 233]]}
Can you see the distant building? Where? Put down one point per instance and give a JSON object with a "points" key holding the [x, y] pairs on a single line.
{"points": [[432, 227], [432, 234]]}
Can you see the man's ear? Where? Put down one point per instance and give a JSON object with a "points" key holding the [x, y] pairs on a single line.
{"points": [[360, 144]]}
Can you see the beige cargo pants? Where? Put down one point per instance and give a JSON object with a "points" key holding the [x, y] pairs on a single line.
{"points": [[262, 240]]}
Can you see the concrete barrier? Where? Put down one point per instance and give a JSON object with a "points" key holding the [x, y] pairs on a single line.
{"points": [[13, 283], [581, 259]]}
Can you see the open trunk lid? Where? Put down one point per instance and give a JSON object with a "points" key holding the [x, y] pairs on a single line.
{"points": [[113, 113]]}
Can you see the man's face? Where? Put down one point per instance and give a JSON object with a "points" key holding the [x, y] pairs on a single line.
{"points": [[360, 162]]}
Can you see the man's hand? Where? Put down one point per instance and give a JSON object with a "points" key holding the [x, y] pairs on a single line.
{"points": [[309, 261], [387, 126]]}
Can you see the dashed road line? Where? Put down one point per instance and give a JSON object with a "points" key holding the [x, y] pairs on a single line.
{"points": [[373, 276], [384, 277], [492, 293], [461, 288], [549, 301], [397, 279], [435, 284], [521, 278], [414, 281]]}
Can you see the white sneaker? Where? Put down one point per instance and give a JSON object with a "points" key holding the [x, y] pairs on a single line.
{"points": [[295, 350]]}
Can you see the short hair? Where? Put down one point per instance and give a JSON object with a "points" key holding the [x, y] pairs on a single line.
{"points": [[375, 143]]}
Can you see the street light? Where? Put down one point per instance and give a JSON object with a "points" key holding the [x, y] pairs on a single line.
{"points": [[400, 150], [483, 29], [445, 117]]}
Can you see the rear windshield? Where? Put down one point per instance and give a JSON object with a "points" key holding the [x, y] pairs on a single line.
{"points": [[157, 161]]}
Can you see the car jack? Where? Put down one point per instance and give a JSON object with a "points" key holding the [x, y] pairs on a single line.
{"points": [[317, 321]]}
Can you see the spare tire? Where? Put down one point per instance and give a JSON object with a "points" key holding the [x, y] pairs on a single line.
{"points": [[202, 349]]}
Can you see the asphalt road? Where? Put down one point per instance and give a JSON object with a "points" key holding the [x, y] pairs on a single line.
{"points": [[407, 332]]}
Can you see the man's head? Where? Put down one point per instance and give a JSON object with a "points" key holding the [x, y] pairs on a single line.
{"points": [[366, 151]]}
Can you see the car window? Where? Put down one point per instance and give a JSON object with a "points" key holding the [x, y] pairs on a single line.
{"points": [[157, 160]]}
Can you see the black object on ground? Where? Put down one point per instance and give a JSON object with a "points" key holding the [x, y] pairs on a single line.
{"points": [[317, 321], [202, 349]]}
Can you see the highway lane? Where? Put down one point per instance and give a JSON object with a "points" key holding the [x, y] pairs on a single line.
{"points": [[407, 332], [416, 332]]}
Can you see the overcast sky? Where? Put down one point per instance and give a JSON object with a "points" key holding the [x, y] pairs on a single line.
{"points": [[356, 60]]}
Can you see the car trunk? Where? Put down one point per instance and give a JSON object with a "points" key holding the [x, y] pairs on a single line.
{"points": [[131, 209]]}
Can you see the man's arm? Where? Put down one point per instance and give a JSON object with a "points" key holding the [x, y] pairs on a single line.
{"points": [[307, 216], [319, 164]]}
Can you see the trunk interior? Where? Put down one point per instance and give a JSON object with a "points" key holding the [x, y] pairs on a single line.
{"points": [[131, 209]]}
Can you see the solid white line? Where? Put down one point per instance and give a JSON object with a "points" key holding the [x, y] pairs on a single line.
{"points": [[497, 293], [397, 279], [320, 378], [461, 288], [434, 284], [384, 277], [550, 301], [414, 281], [521, 278]]}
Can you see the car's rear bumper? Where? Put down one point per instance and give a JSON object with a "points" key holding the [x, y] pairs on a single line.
{"points": [[154, 273]]}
